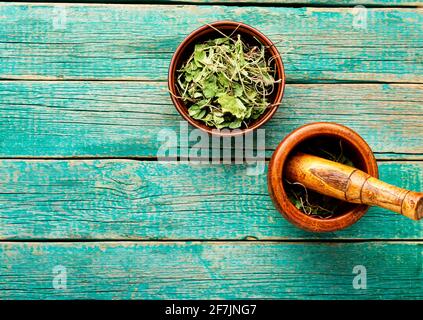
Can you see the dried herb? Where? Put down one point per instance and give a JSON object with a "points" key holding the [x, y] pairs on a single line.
{"points": [[309, 201], [226, 83]]}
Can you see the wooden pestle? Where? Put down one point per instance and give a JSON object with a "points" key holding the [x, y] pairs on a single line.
{"points": [[352, 185]]}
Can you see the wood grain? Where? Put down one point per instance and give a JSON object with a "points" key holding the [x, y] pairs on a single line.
{"points": [[123, 119], [80, 41], [206, 270], [336, 3], [106, 199]]}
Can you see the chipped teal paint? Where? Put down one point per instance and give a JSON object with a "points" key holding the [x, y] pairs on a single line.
{"points": [[190, 270], [136, 42], [110, 119], [112, 199]]}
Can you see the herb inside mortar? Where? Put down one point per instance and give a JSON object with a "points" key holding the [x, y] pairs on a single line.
{"points": [[226, 83], [309, 201]]}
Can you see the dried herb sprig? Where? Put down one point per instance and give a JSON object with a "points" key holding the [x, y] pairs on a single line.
{"points": [[308, 201], [226, 83]]}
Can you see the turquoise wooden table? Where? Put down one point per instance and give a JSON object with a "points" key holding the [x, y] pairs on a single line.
{"points": [[87, 211]]}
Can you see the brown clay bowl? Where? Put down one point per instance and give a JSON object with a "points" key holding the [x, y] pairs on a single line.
{"points": [[249, 35], [354, 146]]}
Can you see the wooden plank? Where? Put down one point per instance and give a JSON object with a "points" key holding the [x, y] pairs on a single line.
{"points": [[207, 270], [81, 41], [385, 3], [336, 3], [124, 119], [122, 199]]}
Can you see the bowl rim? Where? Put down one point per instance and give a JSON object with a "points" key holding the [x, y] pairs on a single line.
{"points": [[180, 106], [276, 167]]}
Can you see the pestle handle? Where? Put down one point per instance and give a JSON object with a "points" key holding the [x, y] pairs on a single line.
{"points": [[353, 185]]}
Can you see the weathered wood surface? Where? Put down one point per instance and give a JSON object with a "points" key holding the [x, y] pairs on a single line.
{"points": [[385, 3], [74, 41], [123, 119], [193, 270], [382, 3], [107, 199]]}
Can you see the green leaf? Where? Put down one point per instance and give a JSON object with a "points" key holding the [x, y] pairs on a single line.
{"points": [[257, 112], [200, 114], [200, 77], [238, 90], [248, 113], [235, 124], [218, 119], [194, 110], [222, 80], [219, 41], [210, 87], [199, 56], [239, 52], [232, 105], [222, 125], [208, 118], [188, 77], [251, 94]]}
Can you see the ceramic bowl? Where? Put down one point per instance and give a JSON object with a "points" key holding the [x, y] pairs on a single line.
{"points": [[206, 32]]}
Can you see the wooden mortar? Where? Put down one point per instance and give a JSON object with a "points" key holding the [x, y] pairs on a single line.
{"points": [[358, 187]]}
